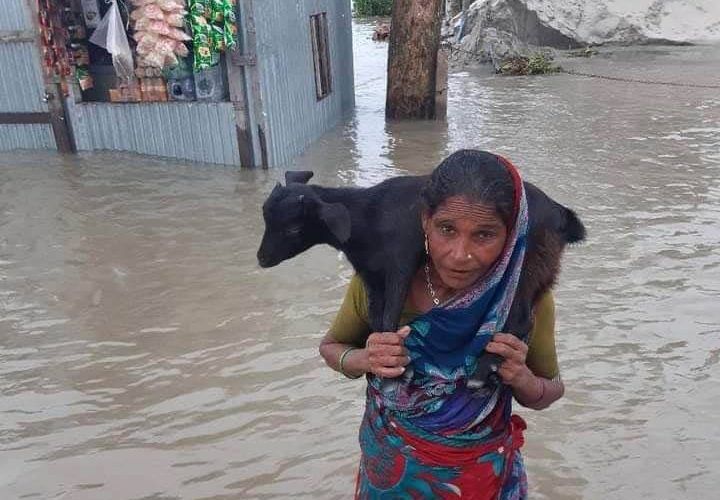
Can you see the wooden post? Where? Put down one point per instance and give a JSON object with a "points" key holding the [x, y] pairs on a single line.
{"points": [[236, 64], [58, 121], [256, 125], [412, 59]]}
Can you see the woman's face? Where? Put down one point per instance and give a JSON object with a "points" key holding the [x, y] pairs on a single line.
{"points": [[465, 240]]}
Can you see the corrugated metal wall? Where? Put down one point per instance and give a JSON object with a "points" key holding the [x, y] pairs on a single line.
{"points": [[21, 82], [195, 131], [295, 117], [26, 137], [14, 16]]}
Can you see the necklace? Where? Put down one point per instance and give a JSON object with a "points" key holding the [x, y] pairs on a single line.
{"points": [[430, 289]]}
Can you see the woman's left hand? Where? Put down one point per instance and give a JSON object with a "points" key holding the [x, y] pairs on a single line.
{"points": [[513, 370]]}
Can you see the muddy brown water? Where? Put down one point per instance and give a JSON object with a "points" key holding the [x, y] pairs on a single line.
{"points": [[143, 353]]}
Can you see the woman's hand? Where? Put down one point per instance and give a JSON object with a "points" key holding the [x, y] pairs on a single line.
{"points": [[513, 370], [387, 356], [529, 389]]}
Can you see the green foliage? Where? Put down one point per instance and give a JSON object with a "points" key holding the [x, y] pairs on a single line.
{"points": [[364, 8], [535, 64], [540, 64]]}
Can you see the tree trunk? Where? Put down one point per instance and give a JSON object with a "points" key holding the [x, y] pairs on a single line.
{"points": [[412, 59]]}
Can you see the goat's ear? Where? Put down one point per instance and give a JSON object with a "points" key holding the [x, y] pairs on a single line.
{"points": [[298, 176], [573, 228], [337, 218]]}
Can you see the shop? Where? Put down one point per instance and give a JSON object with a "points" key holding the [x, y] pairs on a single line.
{"points": [[222, 81]]}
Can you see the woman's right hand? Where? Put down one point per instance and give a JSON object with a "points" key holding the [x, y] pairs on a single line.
{"points": [[387, 356]]}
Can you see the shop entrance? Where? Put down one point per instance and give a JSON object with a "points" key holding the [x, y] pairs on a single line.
{"points": [[129, 51], [147, 76]]}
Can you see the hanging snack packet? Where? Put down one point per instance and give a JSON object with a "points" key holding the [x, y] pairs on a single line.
{"points": [[171, 5], [142, 24], [200, 8], [176, 19], [229, 25], [217, 35], [159, 27], [218, 11], [177, 34], [151, 11], [181, 49]]}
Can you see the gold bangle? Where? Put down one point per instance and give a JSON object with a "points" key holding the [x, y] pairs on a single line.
{"points": [[342, 363]]}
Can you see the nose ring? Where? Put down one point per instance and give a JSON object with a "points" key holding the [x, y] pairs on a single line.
{"points": [[469, 256]]}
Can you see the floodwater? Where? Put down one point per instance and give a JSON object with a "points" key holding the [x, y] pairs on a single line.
{"points": [[143, 353]]}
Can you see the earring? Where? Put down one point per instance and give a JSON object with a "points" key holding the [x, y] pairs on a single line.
{"points": [[427, 245]]}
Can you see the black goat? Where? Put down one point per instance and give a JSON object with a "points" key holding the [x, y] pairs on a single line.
{"points": [[380, 232]]}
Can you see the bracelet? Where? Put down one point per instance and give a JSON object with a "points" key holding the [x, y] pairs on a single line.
{"points": [[342, 362]]}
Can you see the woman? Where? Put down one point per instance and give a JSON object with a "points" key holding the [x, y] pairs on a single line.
{"points": [[429, 430]]}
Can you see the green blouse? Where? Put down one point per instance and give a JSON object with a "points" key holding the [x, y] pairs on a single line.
{"points": [[351, 326]]}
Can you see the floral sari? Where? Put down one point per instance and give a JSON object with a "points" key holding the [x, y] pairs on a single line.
{"points": [[433, 432]]}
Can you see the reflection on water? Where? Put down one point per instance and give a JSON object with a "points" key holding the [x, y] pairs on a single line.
{"points": [[143, 354]]}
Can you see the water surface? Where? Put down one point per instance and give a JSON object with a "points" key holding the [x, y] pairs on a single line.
{"points": [[143, 353]]}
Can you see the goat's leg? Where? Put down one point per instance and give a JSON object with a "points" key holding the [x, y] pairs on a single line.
{"points": [[519, 320], [376, 305], [518, 323], [397, 284], [486, 371]]}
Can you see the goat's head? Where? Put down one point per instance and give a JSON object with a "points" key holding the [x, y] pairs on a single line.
{"points": [[296, 219]]}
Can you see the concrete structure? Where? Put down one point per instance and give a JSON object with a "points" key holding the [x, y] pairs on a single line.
{"points": [[498, 27]]}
